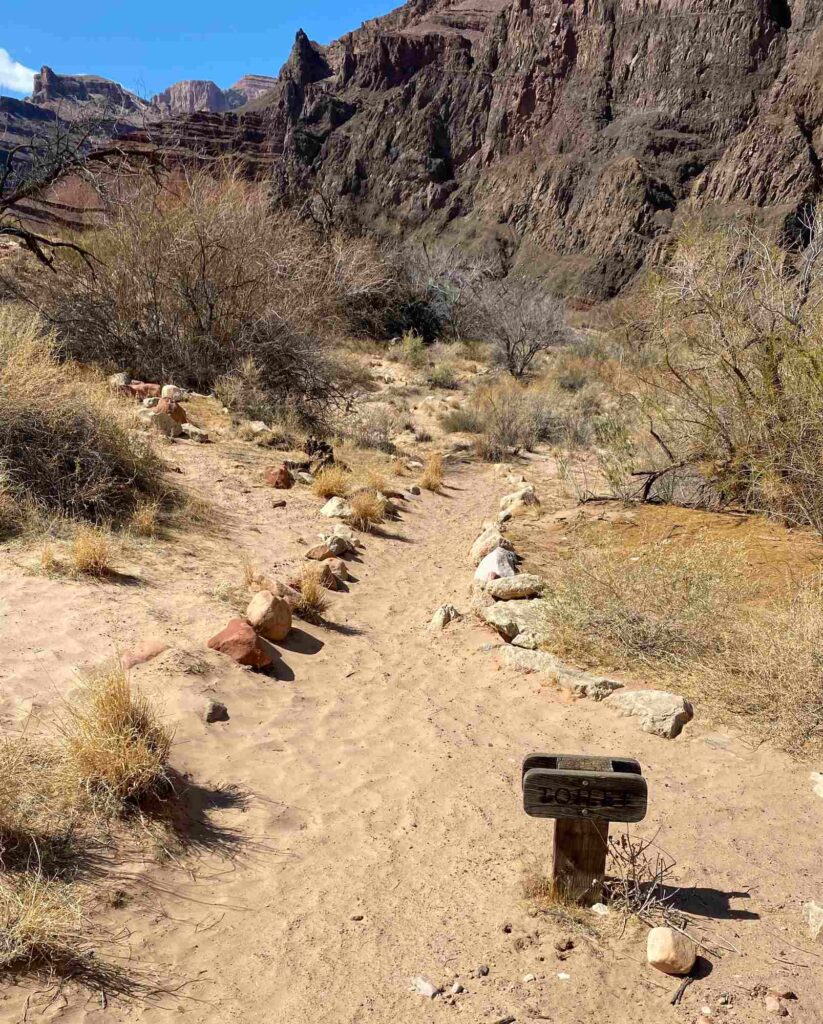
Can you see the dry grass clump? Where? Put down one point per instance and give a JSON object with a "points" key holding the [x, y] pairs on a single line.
{"points": [[431, 479], [369, 509], [116, 746], [314, 601], [92, 552], [332, 482], [66, 445], [43, 924], [146, 518], [658, 602]]}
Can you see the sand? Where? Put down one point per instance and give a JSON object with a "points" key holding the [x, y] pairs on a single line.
{"points": [[360, 814]]}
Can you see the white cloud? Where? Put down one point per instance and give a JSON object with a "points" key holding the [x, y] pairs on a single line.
{"points": [[14, 76]]}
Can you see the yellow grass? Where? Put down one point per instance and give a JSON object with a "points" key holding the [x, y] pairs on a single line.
{"points": [[368, 509], [332, 482], [115, 743], [92, 552], [145, 520], [313, 602], [42, 923], [431, 479]]}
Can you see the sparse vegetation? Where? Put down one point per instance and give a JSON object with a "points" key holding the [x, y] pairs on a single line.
{"points": [[92, 552], [431, 479], [444, 376], [368, 509], [43, 925], [332, 482], [314, 601]]}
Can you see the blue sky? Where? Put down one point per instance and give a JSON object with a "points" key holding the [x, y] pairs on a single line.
{"points": [[147, 46]]}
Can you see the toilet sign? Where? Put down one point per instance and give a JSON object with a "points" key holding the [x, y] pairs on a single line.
{"points": [[583, 793]]}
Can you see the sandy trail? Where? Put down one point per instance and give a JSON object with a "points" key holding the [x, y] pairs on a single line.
{"points": [[382, 835]]}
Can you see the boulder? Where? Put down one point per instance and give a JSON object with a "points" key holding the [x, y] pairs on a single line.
{"points": [[670, 951], [581, 684], [497, 564], [527, 495], [194, 433], [327, 577], [488, 540], [240, 642], [509, 588], [165, 424], [445, 614], [120, 381], [150, 403], [337, 545], [347, 534], [173, 409], [287, 593], [269, 616], [661, 713], [336, 508], [172, 392], [279, 477], [512, 617], [215, 711], [340, 569], [320, 552]]}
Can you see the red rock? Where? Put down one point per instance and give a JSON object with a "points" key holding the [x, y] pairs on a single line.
{"points": [[239, 641], [320, 552], [279, 477], [141, 390], [142, 653], [173, 409]]}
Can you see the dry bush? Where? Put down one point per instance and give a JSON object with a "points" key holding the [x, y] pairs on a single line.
{"points": [[444, 376], [368, 509], [376, 480], [332, 482], [658, 602], [727, 344], [373, 427], [116, 745], [431, 479], [92, 552], [66, 445], [43, 924], [314, 601], [146, 518]]}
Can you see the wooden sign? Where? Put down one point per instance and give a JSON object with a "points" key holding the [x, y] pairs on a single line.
{"points": [[584, 794]]}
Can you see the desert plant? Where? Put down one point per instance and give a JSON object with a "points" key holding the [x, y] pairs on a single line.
{"points": [[368, 509], [431, 479], [43, 924], [332, 482], [66, 444], [443, 376], [412, 350], [373, 427], [116, 746], [314, 601], [146, 518]]}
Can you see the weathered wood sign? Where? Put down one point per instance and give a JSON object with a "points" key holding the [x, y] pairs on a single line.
{"points": [[584, 794]]}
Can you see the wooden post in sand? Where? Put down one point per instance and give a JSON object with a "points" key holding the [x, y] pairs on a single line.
{"points": [[584, 794]]}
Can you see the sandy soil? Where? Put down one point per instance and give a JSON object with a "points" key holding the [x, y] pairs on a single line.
{"points": [[360, 818]]}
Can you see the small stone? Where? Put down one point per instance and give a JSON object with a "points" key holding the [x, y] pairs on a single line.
{"points": [[562, 976], [660, 713], [599, 908], [172, 392], [528, 978], [488, 540], [150, 403], [813, 916], [303, 477], [357, 917], [194, 433], [336, 508], [415, 490], [279, 477], [781, 991], [816, 779], [288, 594], [142, 653], [445, 614], [240, 642], [481, 971], [216, 712], [425, 988], [774, 1005], [338, 545], [456, 989], [670, 951], [280, 503], [513, 588], [269, 616], [320, 552]]}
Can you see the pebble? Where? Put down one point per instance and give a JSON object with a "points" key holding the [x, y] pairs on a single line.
{"points": [[563, 976], [528, 977], [456, 989], [599, 908], [774, 1005], [481, 971], [425, 988], [216, 712], [278, 504]]}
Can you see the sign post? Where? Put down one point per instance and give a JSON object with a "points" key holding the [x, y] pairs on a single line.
{"points": [[583, 794]]}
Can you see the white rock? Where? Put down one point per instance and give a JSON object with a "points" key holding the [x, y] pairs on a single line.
{"points": [[581, 684], [488, 540], [498, 563], [512, 617], [661, 713], [816, 779], [445, 614], [194, 433], [512, 588], [120, 380], [347, 534], [165, 424], [425, 988], [528, 640], [813, 916], [517, 509], [303, 477], [600, 909], [527, 495], [670, 951], [269, 616], [149, 403], [336, 508], [172, 392], [528, 978]]}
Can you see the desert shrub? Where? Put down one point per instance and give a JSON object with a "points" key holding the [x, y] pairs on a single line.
{"points": [[373, 427], [466, 420], [66, 445], [198, 280], [444, 376], [368, 509], [332, 482], [314, 601], [728, 343], [43, 925], [147, 518], [411, 350], [92, 551], [116, 746], [431, 479], [657, 602]]}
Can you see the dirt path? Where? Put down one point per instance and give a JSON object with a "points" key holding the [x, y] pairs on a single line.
{"points": [[382, 834]]}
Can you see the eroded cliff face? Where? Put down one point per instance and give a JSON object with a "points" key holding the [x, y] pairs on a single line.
{"points": [[571, 134]]}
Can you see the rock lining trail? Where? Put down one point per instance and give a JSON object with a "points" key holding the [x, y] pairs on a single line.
{"points": [[381, 835]]}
